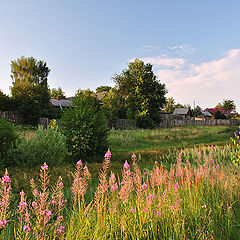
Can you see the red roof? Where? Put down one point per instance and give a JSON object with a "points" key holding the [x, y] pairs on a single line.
{"points": [[220, 109]]}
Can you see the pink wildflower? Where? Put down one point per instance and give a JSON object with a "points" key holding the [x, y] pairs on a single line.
{"points": [[156, 163], [44, 166], [22, 193], [60, 184], [180, 154], [158, 213], [60, 229], [6, 179], [85, 168], [133, 156], [54, 202], [144, 209], [204, 206], [144, 186], [114, 188], [230, 207], [164, 193], [218, 166], [26, 228], [3, 223], [34, 204], [187, 161], [212, 147], [79, 163], [107, 155], [132, 210], [175, 186], [126, 166], [49, 213], [199, 154]]}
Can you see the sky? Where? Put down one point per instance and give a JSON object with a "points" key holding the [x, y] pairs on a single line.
{"points": [[194, 46]]}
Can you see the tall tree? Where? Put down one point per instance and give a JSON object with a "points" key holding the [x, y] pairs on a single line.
{"points": [[229, 104], [30, 87], [57, 93], [169, 106], [103, 89], [142, 93]]}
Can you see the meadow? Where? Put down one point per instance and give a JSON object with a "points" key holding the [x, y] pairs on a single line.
{"points": [[176, 183]]}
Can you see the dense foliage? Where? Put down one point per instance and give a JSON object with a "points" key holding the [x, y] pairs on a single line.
{"points": [[141, 93], [8, 139], [57, 93], [47, 145], [84, 125], [30, 87]]}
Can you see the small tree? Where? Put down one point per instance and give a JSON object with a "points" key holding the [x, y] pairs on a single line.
{"points": [[57, 93], [8, 138], [84, 125]]}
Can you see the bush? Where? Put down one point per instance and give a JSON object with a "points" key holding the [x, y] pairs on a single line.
{"points": [[7, 138], [48, 145], [84, 125], [235, 151]]}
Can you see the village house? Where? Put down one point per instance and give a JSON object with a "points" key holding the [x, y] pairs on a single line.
{"points": [[182, 112]]}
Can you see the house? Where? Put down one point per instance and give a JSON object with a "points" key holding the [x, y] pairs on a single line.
{"points": [[220, 109], [182, 112], [60, 103], [204, 114]]}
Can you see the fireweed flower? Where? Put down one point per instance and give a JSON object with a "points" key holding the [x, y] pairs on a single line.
{"points": [[144, 186], [60, 229], [34, 204], [49, 213], [132, 210], [133, 156], [44, 166], [156, 163], [85, 168], [22, 193], [212, 147], [126, 166], [107, 155], [199, 154], [26, 228], [150, 198], [175, 186], [3, 223], [187, 161], [180, 154], [6, 179], [204, 206], [164, 193], [217, 166], [79, 163]]}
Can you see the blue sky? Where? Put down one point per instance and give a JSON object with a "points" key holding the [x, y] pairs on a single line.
{"points": [[194, 46]]}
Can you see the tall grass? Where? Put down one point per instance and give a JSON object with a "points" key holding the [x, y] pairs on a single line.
{"points": [[196, 197]]}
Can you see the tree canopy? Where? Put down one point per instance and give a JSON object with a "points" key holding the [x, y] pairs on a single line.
{"points": [[57, 93], [229, 104], [103, 89], [141, 92], [30, 87]]}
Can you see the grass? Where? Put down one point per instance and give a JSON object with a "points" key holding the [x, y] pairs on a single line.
{"points": [[189, 199]]}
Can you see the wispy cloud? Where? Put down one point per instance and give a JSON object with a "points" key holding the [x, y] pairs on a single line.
{"points": [[182, 49], [208, 83]]}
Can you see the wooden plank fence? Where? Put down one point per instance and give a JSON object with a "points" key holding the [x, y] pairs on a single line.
{"points": [[206, 122], [12, 116]]}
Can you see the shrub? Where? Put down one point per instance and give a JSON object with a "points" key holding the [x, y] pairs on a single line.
{"points": [[48, 145], [7, 138], [84, 125], [235, 151]]}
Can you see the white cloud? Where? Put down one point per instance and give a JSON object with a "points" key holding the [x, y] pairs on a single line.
{"points": [[207, 83], [183, 49], [163, 61]]}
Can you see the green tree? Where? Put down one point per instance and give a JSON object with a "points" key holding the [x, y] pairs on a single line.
{"points": [[103, 89], [228, 104], [141, 92], [169, 106], [30, 87], [57, 93], [84, 125], [219, 105], [6, 103], [196, 110]]}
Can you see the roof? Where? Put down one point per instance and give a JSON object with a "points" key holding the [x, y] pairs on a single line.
{"points": [[60, 103], [220, 109], [181, 111], [206, 113]]}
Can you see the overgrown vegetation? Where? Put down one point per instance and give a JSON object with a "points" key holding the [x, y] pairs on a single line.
{"points": [[190, 200]]}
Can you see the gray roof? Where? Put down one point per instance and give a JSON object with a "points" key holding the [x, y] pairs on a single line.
{"points": [[206, 113], [180, 111], [61, 103]]}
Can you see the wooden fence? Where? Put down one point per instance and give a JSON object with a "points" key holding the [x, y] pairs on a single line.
{"points": [[205, 122], [12, 116]]}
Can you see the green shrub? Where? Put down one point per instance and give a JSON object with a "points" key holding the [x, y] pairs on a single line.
{"points": [[48, 145], [84, 125], [8, 138], [235, 151]]}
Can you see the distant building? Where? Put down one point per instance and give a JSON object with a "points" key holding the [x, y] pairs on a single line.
{"points": [[60, 103], [204, 114], [220, 109], [182, 112]]}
